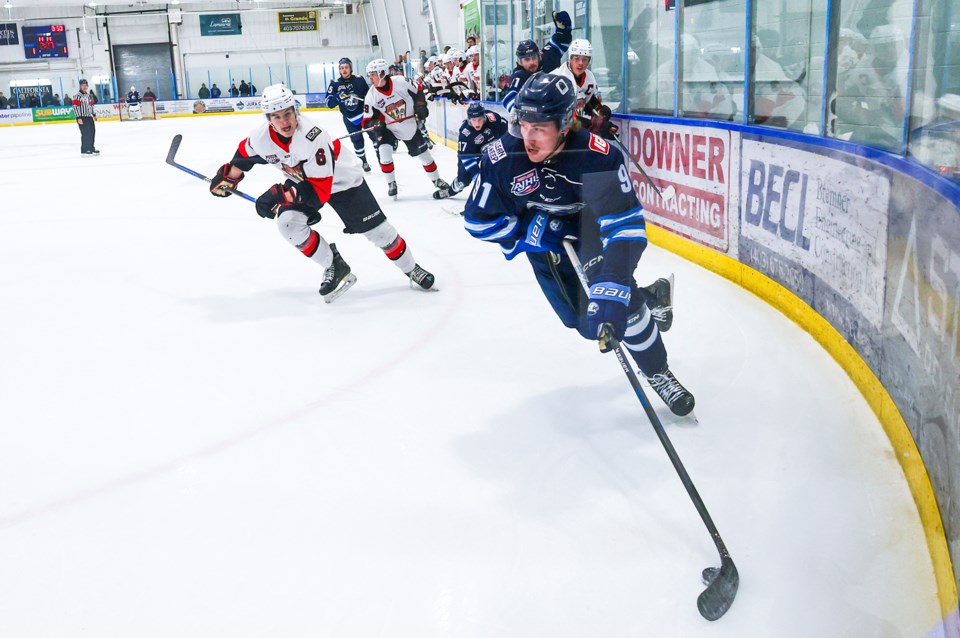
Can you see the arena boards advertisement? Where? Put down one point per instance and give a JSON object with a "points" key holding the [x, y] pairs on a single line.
{"points": [[826, 216], [701, 164], [54, 114], [15, 116]]}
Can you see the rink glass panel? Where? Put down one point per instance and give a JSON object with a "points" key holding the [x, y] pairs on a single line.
{"points": [[651, 42]]}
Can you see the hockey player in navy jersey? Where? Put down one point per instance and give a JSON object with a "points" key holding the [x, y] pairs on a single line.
{"points": [[347, 93], [551, 183], [133, 104], [479, 129], [531, 59], [317, 171]]}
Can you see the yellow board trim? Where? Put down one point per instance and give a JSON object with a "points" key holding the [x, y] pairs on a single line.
{"points": [[869, 385]]}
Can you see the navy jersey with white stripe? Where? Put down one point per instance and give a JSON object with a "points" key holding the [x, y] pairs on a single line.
{"points": [[472, 142], [586, 187], [348, 94]]}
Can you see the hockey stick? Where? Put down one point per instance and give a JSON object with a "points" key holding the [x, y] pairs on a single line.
{"points": [[722, 582], [171, 155], [667, 193], [377, 125]]}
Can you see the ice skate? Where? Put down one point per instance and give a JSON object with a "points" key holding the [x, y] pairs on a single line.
{"points": [[440, 184], [421, 278], [392, 190], [337, 279], [443, 193], [366, 167], [662, 311], [678, 398]]}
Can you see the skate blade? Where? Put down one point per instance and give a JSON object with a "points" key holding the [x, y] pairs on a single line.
{"points": [[344, 286], [416, 286]]}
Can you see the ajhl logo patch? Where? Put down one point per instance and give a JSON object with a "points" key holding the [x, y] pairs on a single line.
{"points": [[525, 184]]}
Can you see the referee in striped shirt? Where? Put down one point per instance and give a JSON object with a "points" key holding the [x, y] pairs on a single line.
{"points": [[83, 106]]}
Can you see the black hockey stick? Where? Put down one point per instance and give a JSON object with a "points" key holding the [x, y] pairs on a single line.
{"points": [[722, 582], [171, 160], [667, 193], [375, 126]]}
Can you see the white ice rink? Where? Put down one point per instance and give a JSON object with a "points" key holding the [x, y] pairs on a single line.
{"points": [[194, 445]]}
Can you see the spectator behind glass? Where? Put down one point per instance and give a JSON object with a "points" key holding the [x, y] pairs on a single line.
{"points": [[204, 92], [215, 91]]}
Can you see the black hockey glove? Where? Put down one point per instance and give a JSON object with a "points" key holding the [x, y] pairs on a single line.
{"points": [[222, 181], [601, 125], [279, 198], [561, 19], [607, 311]]}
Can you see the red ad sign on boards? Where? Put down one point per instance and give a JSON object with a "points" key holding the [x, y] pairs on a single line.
{"points": [[697, 162]]}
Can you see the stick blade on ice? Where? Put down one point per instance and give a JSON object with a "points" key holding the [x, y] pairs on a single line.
{"points": [[722, 585]]}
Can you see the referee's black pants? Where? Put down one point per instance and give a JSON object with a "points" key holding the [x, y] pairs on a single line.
{"points": [[87, 132]]}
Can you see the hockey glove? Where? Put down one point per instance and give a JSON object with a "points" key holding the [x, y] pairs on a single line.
{"points": [[601, 125], [222, 181], [544, 233], [280, 198], [561, 19], [607, 311]]}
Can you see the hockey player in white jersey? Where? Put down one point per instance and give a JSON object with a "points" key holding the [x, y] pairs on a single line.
{"points": [[434, 82], [577, 71], [472, 71], [396, 105], [318, 171]]}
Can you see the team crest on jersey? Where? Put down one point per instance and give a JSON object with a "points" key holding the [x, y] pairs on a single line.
{"points": [[479, 139], [313, 133], [397, 110], [525, 184], [599, 144]]}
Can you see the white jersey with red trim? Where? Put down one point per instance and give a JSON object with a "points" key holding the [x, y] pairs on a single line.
{"points": [[458, 76], [473, 73], [586, 86], [394, 102], [436, 80], [311, 155]]}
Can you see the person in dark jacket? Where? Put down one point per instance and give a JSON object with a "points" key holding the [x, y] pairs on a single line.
{"points": [[244, 89], [204, 92], [215, 91], [149, 95], [234, 91]]}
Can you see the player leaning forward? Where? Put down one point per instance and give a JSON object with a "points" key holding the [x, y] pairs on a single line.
{"points": [[396, 105], [552, 183], [308, 156]]}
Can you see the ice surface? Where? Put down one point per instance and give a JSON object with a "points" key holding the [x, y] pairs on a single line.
{"points": [[193, 444]]}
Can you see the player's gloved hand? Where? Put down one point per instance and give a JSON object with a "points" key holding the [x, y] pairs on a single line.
{"points": [[607, 311], [420, 110], [222, 180], [379, 132], [601, 125], [544, 233], [562, 21], [280, 198]]}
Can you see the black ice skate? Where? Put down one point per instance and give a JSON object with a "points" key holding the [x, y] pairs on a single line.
{"points": [[440, 184], [392, 190], [662, 310], [337, 279], [443, 193], [677, 397], [421, 278], [366, 167]]}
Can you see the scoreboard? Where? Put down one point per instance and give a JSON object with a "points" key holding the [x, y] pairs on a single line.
{"points": [[45, 42]]}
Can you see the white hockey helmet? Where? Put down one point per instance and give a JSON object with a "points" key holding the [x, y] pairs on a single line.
{"points": [[580, 46], [474, 50], [133, 89], [452, 56], [276, 97], [378, 66]]}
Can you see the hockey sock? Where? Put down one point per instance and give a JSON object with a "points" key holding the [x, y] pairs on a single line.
{"points": [[393, 245], [642, 339], [429, 165], [316, 248]]}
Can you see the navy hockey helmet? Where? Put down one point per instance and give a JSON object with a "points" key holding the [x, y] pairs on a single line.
{"points": [[475, 110], [345, 61], [545, 97], [527, 48]]}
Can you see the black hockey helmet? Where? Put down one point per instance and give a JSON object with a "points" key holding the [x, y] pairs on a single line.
{"points": [[347, 62], [545, 97], [475, 110], [527, 48]]}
